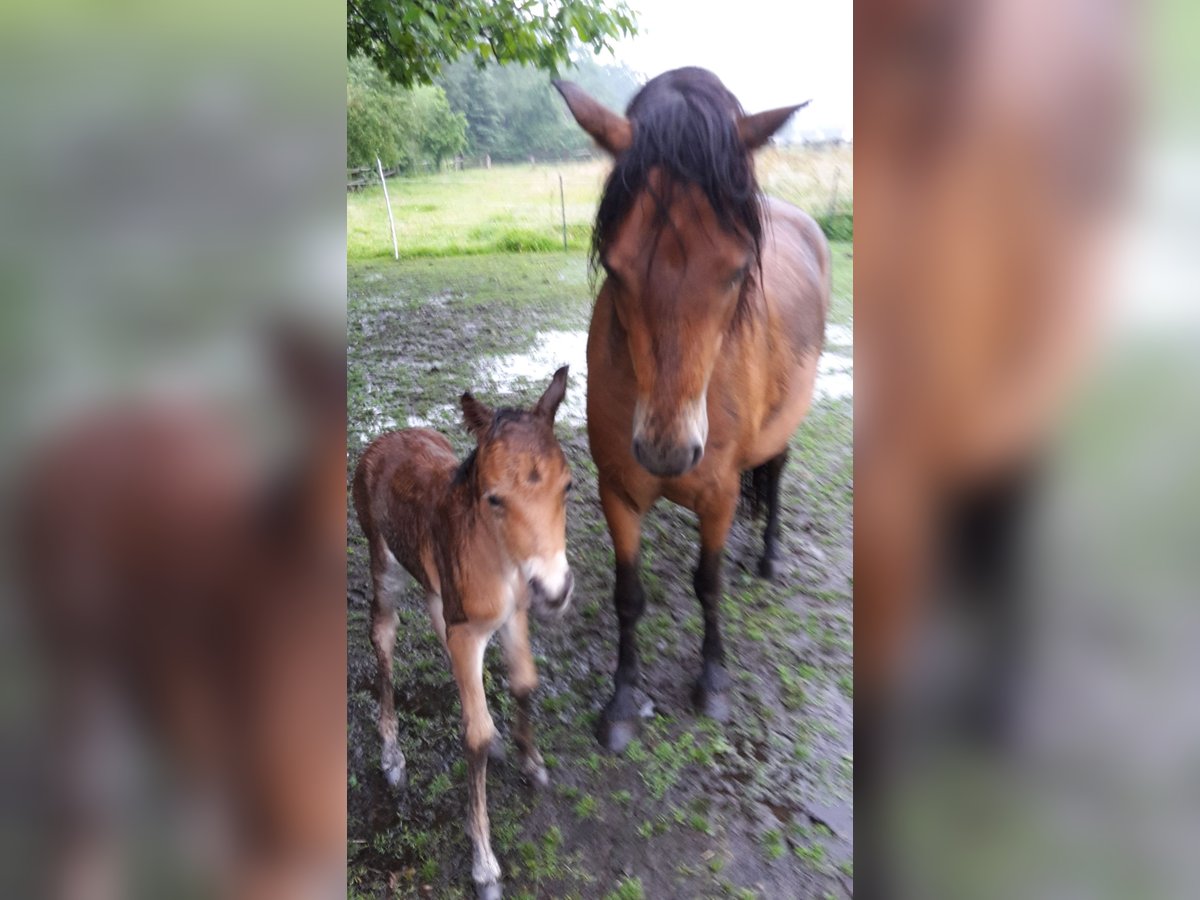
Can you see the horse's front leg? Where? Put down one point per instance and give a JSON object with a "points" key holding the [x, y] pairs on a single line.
{"points": [[522, 682], [711, 693], [618, 723], [466, 643]]}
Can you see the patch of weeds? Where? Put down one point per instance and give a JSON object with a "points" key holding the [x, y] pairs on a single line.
{"points": [[793, 695], [772, 843], [627, 889], [440, 784], [585, 807], [646, 829], [812, 854], [623, 797]]}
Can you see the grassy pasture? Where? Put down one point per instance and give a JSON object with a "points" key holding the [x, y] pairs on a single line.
{"points": [[516, 208]]}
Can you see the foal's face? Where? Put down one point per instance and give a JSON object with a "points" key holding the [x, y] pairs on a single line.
{"points": [[523, 482], [675, 290]]}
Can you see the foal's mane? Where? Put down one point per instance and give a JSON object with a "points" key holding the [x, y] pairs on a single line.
{"points": [[684, 123]]}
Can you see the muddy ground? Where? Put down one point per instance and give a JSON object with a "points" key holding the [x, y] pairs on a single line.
{"points": [[760, 807]]}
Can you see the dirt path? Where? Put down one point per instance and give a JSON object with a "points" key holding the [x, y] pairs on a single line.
{"points": [[758, 808]]}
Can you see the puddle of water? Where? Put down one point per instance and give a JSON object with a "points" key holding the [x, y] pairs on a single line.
{"points": [[441, 418], [526, 372], [505, 374], [839, 336], [551, 349]]}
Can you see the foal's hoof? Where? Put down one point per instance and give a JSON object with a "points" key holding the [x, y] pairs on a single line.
{"points": [[392, 763], [496, 751], [489, 891], [714, 704], [768, 568]]}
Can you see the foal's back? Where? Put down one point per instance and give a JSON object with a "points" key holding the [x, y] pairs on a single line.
{"points": [[398, 485]]}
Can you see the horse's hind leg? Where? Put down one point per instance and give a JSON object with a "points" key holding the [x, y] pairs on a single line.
{"points": [[711, 694], [386, 579], [772, 475], [619, 721]]}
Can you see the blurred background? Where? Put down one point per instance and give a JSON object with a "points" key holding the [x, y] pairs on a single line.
{"points": [[173, 277], [1027, 484]]}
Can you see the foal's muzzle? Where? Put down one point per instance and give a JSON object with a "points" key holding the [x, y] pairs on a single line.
{"points": [[548, 605]]}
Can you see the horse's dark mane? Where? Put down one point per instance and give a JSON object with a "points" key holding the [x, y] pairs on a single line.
{"points": [[684, 123]]}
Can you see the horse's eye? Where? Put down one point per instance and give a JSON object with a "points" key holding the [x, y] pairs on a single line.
{"points": [[567, 489], [495, 502]]}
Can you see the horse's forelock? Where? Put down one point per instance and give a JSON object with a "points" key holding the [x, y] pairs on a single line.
{"points": [[685, 126]]}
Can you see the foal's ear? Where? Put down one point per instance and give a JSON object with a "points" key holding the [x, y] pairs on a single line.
{"points": [[611, 131], [757, 129], [476, 416], [547, 405]]}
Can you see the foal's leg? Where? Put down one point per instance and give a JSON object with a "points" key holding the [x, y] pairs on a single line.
{"points": [[522, 682], [619, 721], [386, 578], [466, 644], [711, 694], [768, 565]]}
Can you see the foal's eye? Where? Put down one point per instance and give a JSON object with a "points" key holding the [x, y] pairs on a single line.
{"points": [[495, 502], [567, 489]]}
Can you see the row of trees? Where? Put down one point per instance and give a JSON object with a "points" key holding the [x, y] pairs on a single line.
{"points": [[508, 112]]}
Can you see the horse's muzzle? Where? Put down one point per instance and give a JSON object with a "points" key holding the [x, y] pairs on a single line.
{"points": [[546, 605], [667, 462]]}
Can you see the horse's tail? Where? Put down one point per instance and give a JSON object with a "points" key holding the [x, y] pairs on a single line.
{"points": [[755, 496]]}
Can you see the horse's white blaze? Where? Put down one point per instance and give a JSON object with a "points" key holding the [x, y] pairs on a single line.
{"points": [[693, 420]]}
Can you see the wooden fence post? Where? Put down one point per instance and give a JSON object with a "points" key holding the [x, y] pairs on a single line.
{"points": [[562, 199], [387, 202]]}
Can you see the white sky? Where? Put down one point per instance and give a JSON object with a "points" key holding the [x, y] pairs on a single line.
{"points": [[768, 52]]}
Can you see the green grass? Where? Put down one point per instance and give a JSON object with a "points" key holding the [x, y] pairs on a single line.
{"points": [[518, 209]]}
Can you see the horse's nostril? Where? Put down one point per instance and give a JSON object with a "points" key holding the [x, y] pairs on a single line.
{"points": [[639, 450], [697, 452]]}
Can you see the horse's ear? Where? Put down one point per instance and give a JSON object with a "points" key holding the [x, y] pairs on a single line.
{"points": [[611, 131], [757, 129], [547, 405], [476, 416]]}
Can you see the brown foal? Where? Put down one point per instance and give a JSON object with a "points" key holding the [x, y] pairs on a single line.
{"points": [[486, 540]]}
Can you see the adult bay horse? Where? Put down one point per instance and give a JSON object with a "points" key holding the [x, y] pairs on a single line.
{"points": [[486, 540], [703, 345]]}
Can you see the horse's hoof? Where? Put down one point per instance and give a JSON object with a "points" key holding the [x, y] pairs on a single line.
{"points": [[768, 568], [616, 734], [489, 891], [713, 704]]}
